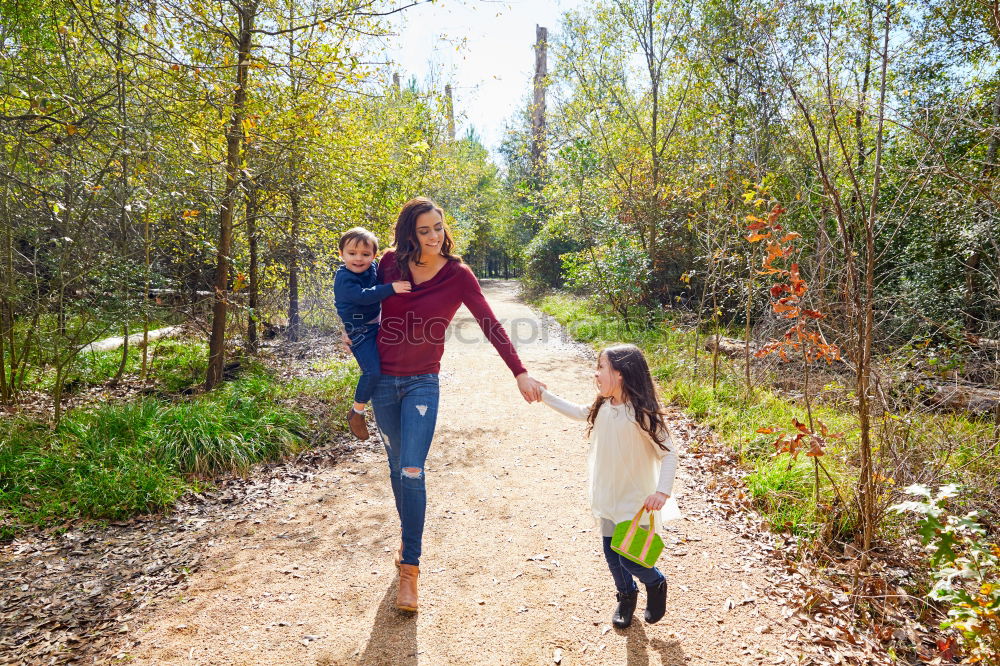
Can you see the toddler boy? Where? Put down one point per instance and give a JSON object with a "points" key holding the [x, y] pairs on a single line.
{"points": [[359, 299]]}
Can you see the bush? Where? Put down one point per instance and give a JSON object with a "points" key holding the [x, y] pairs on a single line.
{"points": [[617, 273], [964, 567], [117, 460], [543, 266]]}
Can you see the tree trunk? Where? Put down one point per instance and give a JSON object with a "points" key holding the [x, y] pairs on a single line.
{"points": [[123, 194], [538, 106], [294, 322], [57, 394], [450, 112], [6, 396], [866, 322], [123, 363], [217, 342], [653, 211], [253, 342], [8, 357], [145, 309]]}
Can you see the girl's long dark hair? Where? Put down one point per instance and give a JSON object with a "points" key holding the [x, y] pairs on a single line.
{"points": [[406, 243], [638, 390]]}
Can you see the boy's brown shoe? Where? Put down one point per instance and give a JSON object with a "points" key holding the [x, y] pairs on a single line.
{"points": [[407, 598], [357, 423]]}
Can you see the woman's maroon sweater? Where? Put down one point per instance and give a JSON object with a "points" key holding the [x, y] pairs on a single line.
{"points": [[411, 339]]}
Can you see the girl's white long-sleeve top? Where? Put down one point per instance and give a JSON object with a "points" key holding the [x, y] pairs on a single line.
{"points": [[626, 466]]}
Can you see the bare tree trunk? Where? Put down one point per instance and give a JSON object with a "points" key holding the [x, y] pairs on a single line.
{"points": [[294, 321], [538, 105], [8, 358], [253, 342], [866, 321], [859, 293], [295, 199], [449, 103], [748, 328], [123, 363], [653, 211], [123, 174], [217, 343], [57, 393], [859, 113], [5, 389], [145, 309]]}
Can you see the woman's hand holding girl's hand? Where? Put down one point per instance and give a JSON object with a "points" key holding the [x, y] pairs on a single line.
{"points": [[346, 340], [402, 287], [656, 501], [530, 388]]}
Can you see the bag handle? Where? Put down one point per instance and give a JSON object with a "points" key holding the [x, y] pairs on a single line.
{"points": [[634, 526], [649, 537]]}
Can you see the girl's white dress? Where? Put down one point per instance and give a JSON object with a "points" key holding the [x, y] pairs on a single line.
{"points": [[626, 466]]}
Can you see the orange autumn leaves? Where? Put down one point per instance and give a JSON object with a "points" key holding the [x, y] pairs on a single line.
{"points": [[803, 337], [814, 443], [787, 296]]}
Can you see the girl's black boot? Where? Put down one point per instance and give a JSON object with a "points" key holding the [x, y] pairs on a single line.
{"points": [[656, 601], [626, 607]]}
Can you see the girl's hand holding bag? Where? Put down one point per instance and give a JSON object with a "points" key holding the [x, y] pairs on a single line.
{"points": [[639, 545]]}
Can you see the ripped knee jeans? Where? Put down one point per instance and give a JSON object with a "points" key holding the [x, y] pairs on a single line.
{"points": [[406, 413]]}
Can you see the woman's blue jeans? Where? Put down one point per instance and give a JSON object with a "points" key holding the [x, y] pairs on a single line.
{"points": [[406, 411]]}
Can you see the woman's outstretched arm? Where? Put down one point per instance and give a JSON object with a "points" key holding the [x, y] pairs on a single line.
{"points": [[473, 298]]}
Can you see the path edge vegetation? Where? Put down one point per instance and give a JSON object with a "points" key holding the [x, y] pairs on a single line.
{"points": [[112, 459]]}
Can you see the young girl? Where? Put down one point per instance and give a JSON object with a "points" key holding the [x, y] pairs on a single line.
{"points": [[632, 463]]}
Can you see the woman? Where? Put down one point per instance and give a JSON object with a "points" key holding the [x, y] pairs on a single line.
{"points": [[410, 344]]}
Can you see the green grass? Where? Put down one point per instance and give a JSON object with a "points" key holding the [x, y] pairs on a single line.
{"points": [[337, 385], [117, 460], [176, 363]]}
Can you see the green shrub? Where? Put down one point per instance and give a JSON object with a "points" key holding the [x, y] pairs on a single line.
{"points": [[964, 567], [117, 460], [543, 266]]}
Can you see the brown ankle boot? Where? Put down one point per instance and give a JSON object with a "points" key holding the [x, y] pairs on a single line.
{"points": [[356, 422], [407, 598]]}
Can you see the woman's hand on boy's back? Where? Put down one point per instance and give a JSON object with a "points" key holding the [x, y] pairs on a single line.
{"points": [[402, 287], [656, 501]]}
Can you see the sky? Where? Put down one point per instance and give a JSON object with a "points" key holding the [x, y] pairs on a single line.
{"points": [[484, 48]]}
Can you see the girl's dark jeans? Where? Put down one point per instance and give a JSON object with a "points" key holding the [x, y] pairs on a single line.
{"points": [[622, 570], [406, 412]]}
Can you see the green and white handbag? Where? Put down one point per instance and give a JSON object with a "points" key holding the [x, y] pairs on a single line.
{"points": [[636, 543]]}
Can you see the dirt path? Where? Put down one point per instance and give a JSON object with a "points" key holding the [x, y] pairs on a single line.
{"points": [[512, 571]]}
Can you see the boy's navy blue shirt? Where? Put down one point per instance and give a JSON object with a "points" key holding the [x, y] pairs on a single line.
{"points": [[358, 296]]}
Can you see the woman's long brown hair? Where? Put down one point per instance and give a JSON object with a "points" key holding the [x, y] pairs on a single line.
{"points": [[406, 243], [638, 390]]}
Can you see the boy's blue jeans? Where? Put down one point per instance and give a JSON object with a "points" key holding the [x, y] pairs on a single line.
{"points": [[406, 412], [366, 353], [623, 569]]}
